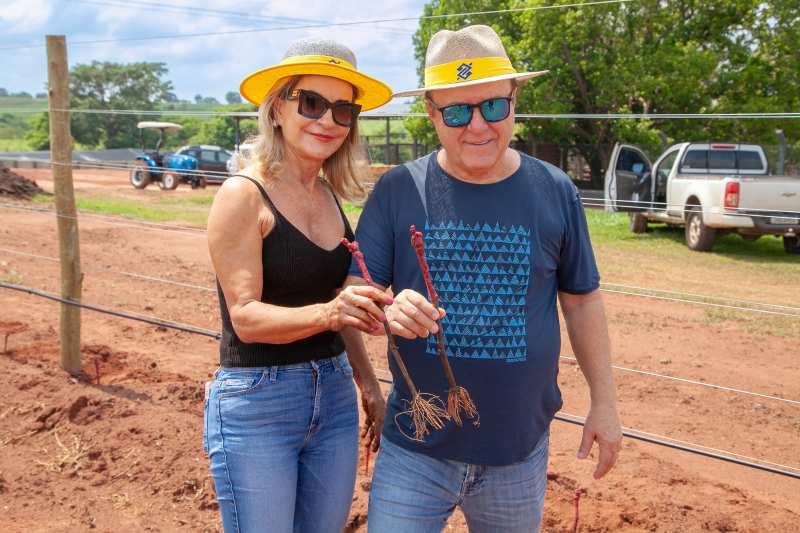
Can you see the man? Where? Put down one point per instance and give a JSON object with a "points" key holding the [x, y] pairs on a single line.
{"points": [[505, 237]]}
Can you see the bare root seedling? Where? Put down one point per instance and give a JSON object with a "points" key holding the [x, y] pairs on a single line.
{"points": [[457, 397]]}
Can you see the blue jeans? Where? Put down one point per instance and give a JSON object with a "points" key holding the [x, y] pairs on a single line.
{"points": [[283, 444], [415, 493]]}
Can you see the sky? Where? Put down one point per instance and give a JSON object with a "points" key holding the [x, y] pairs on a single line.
{"points": [[207, 65]]}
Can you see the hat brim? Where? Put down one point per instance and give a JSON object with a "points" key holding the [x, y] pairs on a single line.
{"points": [[372, 93], [519, 76]]}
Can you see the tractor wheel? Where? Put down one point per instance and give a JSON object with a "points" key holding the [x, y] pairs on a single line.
{"points": [[699, 237], [140, 175], [638, 223], [169, 181], [791, 244]]}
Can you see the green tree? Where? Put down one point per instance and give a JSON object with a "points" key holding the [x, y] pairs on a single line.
{"points": [[38, 136], [113, 86], [221, 130], [649, 56], [233, 98]]}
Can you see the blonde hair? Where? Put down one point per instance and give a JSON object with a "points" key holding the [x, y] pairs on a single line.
{"points": [[344, 170]]}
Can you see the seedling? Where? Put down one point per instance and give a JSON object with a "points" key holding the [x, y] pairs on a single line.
{"points": [[457, 397], [422, 407]]}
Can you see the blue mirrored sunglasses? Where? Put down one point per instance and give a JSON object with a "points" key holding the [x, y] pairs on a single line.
{"points": [[459, 115]]}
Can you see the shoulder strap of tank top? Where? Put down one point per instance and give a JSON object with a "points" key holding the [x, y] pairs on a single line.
{"points": [[260, 188]]}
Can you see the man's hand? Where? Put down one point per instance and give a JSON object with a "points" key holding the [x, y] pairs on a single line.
{"points": [[412, 315], [602, 426]]}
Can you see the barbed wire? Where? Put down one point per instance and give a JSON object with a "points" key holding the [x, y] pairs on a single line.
{"points": [[689, 381], [130, 224], [376, 114], [331, 24], [121, 272]]}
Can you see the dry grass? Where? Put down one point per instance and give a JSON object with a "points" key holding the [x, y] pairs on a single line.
{"points": [[68, 457]]}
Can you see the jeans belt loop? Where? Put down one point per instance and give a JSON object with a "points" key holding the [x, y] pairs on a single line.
{"points": [[273, 373]]}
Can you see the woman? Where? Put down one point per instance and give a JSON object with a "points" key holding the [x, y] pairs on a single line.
{"points": [[281, 417]]}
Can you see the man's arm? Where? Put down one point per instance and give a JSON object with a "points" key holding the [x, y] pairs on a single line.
{"points": [[588, 333]]}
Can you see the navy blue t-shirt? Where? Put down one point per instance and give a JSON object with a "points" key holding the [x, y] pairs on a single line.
{"points": [[498, 253]]}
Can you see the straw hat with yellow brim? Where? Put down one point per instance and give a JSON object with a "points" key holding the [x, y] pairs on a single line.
{"points": [[466, 57], [322, 57]]}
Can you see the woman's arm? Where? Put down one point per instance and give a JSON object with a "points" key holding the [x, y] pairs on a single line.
{"points": [[237, 225], [372, 401]]}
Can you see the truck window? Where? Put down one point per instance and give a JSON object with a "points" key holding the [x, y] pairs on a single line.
{"points": [[631, 161], [722, 159], [695, 160], [750, 160], [662, 171]]}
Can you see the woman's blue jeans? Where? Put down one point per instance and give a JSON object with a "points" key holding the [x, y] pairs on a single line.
{"points": [[283, 444], [414, 493]]}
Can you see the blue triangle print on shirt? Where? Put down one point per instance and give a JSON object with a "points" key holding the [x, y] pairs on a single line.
{"points": [[479, 274]]}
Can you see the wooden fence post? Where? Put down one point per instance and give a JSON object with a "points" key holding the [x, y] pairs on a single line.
{"points": [[61, 158]]}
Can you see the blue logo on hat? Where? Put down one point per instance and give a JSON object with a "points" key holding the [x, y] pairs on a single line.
{"points": [[464, 71]]}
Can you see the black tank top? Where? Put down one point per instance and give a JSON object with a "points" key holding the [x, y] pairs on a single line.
{"points": [[297, 272]]}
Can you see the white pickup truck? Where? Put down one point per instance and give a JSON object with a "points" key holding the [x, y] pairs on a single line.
{"points": [[711, 188]]}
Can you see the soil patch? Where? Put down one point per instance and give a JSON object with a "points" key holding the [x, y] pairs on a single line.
{"points": [[17, 187]]}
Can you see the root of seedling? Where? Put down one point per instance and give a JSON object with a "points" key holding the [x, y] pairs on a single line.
{"points": [[424, 411], [457, 399]]}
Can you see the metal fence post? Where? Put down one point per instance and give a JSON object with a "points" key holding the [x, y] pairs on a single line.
{"points": [[61, 158]]}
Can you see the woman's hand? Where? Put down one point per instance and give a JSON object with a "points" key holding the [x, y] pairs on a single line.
{"points": [[374, 406], [356, 306]]}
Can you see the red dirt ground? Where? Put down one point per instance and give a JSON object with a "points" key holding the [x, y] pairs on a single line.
{"points": [[125, 454]]}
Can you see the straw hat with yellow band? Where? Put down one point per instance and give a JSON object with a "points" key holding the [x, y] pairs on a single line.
{"points": [[322, 57], [469, 56]]}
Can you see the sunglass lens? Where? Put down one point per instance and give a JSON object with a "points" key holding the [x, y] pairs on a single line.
{"points": [[343, 114], [457, 115], [311, 105], [495, 110]]}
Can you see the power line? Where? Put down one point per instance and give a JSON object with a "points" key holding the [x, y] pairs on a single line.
{"points": [[331, 24]]}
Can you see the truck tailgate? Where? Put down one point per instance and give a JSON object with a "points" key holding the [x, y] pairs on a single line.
{"points": [[774, 194]]}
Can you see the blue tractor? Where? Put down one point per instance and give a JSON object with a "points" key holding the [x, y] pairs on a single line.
{"points": [[167, 169]]}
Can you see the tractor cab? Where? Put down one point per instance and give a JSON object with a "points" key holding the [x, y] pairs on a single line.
{"points": [[166, 169]]}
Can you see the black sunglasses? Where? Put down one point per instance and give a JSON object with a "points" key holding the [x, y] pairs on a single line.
{"points": [[459, 115], [313, 105]]}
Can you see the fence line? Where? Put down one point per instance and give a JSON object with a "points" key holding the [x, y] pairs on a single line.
{"points": [[711, 385], [574, 420]]}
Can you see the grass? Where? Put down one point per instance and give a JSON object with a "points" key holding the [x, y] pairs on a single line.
{"points": [[191, 209], [14, 145]]}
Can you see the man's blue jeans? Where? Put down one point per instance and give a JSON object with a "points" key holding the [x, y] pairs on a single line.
{"points": [[415, 493], [283, 444]]}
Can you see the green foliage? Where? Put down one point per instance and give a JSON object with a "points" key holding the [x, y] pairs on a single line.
{"points": [[38, 136], [649, 56], [114, 86], [221, 130], [233, 98], [421, 128]]}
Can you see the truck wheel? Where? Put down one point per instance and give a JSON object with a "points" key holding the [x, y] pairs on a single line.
{"points": [[638, 222], [199, 182], [791, 244], [140, 175], [699, 237], [169, 181]]}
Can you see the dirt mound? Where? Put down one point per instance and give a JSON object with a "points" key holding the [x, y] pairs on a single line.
{"points": [[15, 186]]}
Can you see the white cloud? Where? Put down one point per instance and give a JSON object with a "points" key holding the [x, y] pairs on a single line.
{"points": [[208, 65]]}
